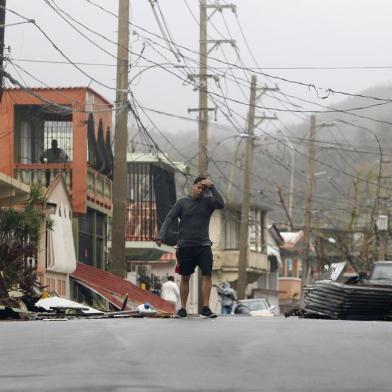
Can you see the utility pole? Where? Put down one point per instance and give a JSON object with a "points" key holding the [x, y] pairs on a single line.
{"points": [[203, 77], [283, 204], [244, 229], [2, 30], [246, 195], [203, 108], [308, 205], [3, 287], [383, 216], [121, 143], [203, 93]]}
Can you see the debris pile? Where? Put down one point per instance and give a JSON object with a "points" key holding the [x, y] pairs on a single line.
{"points": [[56, 308], [351, 302]]}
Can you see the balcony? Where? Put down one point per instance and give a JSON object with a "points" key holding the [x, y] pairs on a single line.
{"points": [[99, 186], [43, 173], [141, 221], [227, 260]]}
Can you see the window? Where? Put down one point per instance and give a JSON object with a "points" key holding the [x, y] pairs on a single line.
{"points": [[289, 267], [35, 128], [92, 238], [86, 238], [256, 230], [60, 131], [232, 232]]}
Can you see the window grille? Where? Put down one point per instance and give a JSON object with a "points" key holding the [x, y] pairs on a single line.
{"points": [[60, 131]]}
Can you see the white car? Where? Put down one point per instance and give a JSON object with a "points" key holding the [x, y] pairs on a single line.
{"points": [[258, 307]]}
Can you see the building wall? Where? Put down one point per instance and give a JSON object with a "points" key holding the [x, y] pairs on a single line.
{"points": [[290, 288], [224, 233], [58, 284], [73, 97]]}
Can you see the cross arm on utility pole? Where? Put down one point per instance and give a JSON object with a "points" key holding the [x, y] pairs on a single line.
{"points": [[204, 110], [216, 42], [220, 8], [193, 77], [263, 90], [260, 119]]}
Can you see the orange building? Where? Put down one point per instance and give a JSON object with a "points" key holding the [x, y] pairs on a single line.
{"points": [[80, 120]]}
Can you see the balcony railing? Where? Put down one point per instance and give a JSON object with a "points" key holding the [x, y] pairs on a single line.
{"points": [[228, 259], [98, 184], [141, 221], [43, 173]]}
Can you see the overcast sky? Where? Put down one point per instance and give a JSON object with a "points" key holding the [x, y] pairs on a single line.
{"points": [[280, 34]]}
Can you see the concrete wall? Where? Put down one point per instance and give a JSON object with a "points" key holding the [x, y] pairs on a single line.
{"points": [[291, 288]]}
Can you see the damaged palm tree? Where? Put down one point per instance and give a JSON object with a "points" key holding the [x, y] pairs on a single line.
{"points": [[19, 235]]}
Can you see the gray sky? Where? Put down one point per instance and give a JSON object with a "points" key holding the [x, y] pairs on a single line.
{"points": [[280, 33]]}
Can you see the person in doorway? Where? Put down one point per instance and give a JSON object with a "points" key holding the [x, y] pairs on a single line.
{"points": [[194, 244], [53, 155], [170, 292], [227, 297]]}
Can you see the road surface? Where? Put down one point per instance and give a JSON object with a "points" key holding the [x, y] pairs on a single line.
{"points": [[226, 354]]}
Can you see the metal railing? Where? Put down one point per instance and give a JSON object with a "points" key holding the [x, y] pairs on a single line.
{"points": [[141, 221]]}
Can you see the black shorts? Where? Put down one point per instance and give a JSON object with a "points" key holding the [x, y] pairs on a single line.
{"points": [[190, 256]]}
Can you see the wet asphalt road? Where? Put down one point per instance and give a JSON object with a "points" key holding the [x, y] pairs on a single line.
{"points": [[226, 354]]}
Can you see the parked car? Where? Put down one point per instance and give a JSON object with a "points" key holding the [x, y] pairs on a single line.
{"points": [[258, 307], [381, 273]]}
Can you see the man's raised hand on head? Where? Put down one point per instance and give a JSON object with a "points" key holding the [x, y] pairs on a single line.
{"points": [[207, 183]]}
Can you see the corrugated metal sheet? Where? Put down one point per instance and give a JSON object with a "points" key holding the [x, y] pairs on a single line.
{"points": [[350, 302], [114, 289]]}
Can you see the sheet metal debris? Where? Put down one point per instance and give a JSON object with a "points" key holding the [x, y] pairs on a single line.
{"points": [[350, 302]]}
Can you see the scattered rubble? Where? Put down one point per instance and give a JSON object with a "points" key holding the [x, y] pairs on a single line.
{"points": [[60, 309]]}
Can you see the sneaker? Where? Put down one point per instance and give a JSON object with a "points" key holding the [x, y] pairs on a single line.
{"points": [[181, 313], [207, 312]]}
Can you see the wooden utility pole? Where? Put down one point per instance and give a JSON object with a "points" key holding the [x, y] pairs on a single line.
{"points": [[354, 208], [203, 108], [121, 143], [283, 204], [308, 204], [2, 30], [203, 92], [383, 210], [244, 229]]}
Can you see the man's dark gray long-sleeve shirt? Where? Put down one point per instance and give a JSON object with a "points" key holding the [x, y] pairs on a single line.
{"points": [[194, 216]]}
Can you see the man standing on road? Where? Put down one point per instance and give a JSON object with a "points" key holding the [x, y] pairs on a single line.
{"points": [[194, 244], [170, 292]]}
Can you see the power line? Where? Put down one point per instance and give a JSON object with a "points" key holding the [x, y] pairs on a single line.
{"points": [[308, 85]]}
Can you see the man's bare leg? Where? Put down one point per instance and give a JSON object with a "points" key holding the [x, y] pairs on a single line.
{"points": [[206, 289], [184, 290]]}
